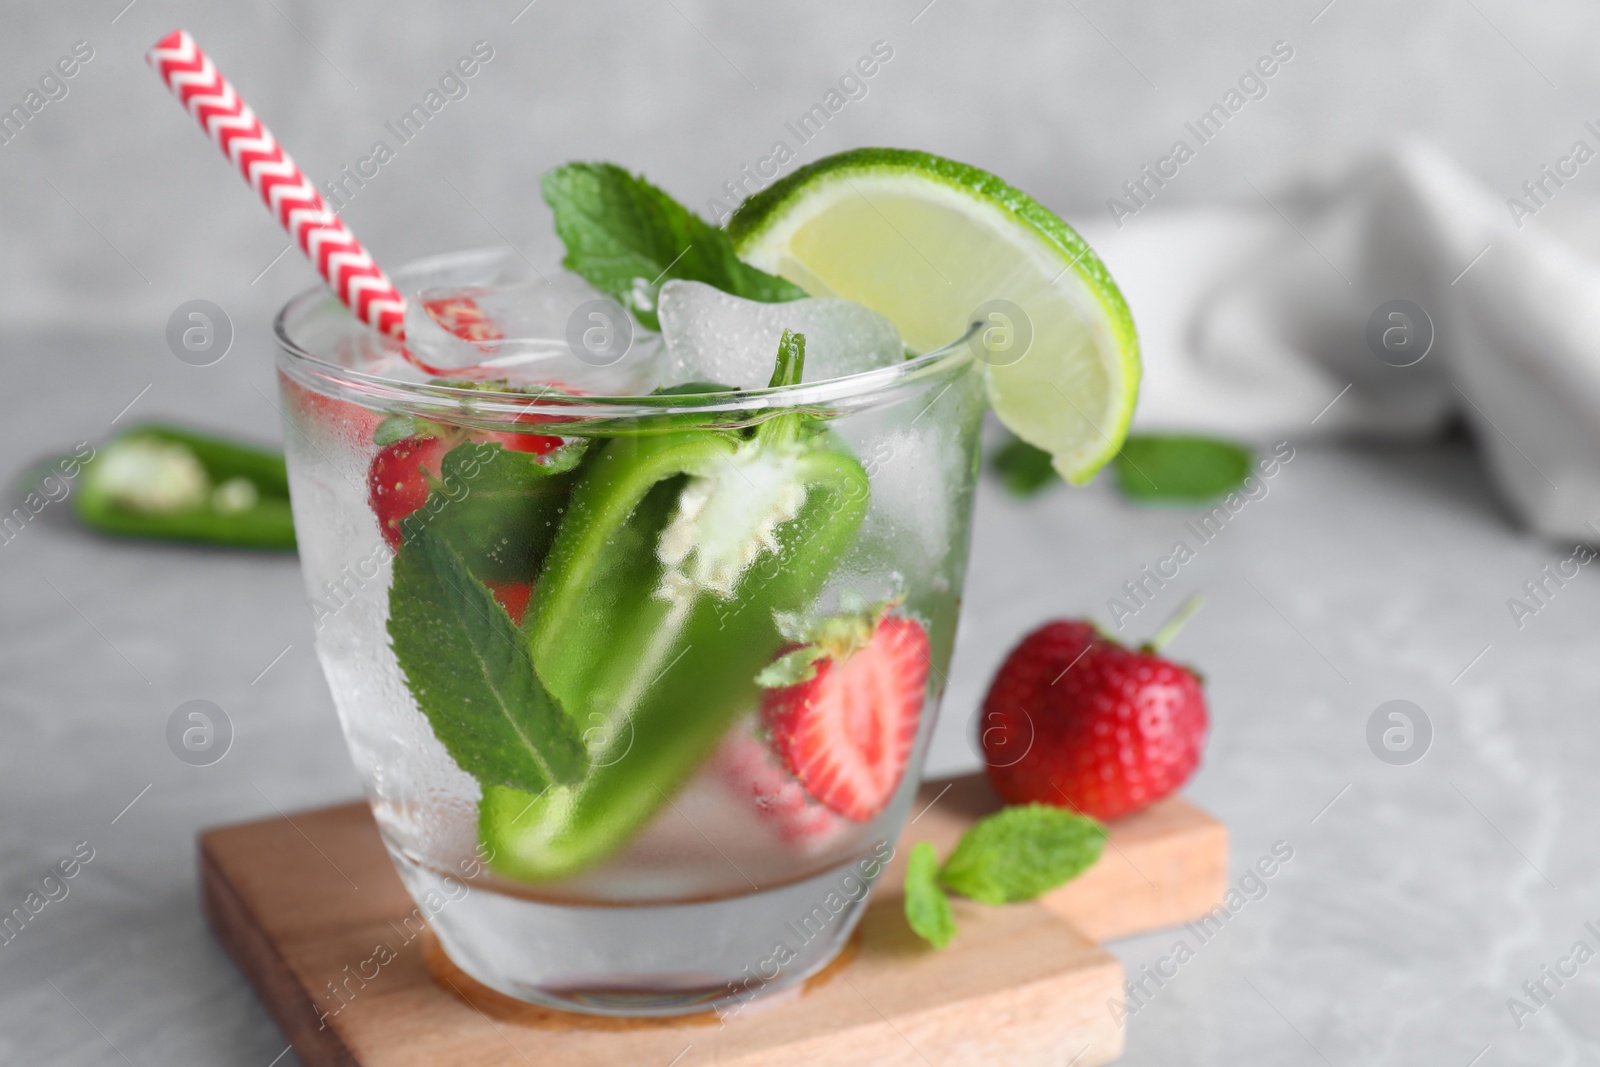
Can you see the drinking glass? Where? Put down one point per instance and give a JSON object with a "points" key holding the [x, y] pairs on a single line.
{"points": [[558, 608]]}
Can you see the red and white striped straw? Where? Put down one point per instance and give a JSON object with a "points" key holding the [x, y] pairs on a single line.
{"points": [[349, 269]]}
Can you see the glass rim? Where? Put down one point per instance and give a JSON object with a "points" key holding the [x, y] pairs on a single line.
{"points": [[381, 390]]}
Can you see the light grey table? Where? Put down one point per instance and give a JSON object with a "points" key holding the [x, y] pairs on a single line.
{"points": [[1419, 898]]}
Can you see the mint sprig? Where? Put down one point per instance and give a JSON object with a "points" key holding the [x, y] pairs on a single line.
{"points": [[626, 238], [1022, 852], [1018, 853], [467, 665], [927, 908]]}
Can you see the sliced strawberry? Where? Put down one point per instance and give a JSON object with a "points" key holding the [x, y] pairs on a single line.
{"points": [[754, 776], [461, 315], [341, 421], [539, 418], [397, 481], [847, 732], [533, 443], [513, 596]]}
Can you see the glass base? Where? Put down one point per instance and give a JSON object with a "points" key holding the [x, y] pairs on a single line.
{"points": [[642, 960]]}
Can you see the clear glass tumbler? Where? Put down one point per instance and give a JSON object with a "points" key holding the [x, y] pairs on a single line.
{"points": [[639, 687]]}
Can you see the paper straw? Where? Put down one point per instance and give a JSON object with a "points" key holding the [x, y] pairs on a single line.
{"points": [[348, 268]]}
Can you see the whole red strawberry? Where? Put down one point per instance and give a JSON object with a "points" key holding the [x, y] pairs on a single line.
{"points": [[1077, 720]]}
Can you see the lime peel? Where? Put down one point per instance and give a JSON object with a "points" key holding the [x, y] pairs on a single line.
{"points": [[925, 241]]}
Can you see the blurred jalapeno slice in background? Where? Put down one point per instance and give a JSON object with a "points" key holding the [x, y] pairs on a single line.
{"points": [[164, 482]]}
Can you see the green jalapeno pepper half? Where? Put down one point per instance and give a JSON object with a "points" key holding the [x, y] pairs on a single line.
{"points": [[655, 612], [169, 483]]}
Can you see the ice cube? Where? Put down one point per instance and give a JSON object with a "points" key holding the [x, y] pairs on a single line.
{"points": [[536, 331], [712, 336], [920, 469]]}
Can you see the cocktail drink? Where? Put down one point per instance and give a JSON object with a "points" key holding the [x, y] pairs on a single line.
{"points": [[636, 600], [635, 585], [641, 693]]}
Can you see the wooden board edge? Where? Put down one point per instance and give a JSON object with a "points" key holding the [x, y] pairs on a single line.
{"points": [[1162, 906], [258, 958], [1105, 1040], [231, 903]]}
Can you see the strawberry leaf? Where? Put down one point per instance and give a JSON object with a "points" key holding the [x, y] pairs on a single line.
{"points": [[837, 636], [927, 908], [1019, 853], [791, 668], [468, 668]]}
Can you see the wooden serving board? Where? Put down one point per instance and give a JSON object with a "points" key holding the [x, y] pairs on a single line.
{"points": [[297, 900]]}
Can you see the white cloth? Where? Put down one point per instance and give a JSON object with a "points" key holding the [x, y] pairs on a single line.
{"points": [[1254, 319]]}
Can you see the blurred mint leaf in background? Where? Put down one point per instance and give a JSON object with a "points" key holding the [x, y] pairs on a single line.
{"points": [[627, 238], [1180, 468], [1024, 469], [1151, 468]]}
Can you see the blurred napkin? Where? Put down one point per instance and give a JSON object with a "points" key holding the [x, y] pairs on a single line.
{"points": [[1255, 321]]}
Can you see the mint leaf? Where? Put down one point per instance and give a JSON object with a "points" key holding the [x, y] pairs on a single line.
{"points": [[927, 908], [1024, 469], [1182, 468], [626, 237], [499, 509], [468, 668], [1021, 852]]}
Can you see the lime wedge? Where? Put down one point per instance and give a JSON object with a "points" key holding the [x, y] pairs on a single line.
{"points": [[936, 245]]}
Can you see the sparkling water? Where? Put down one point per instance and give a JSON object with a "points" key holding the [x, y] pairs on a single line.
{"points": [[690, 911]]}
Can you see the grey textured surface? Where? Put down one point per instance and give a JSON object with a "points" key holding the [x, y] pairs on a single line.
{"points": [[1067, 101], [1413, 907]]}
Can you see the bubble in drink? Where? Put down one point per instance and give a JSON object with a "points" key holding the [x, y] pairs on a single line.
{"points": [[712, 336]]}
